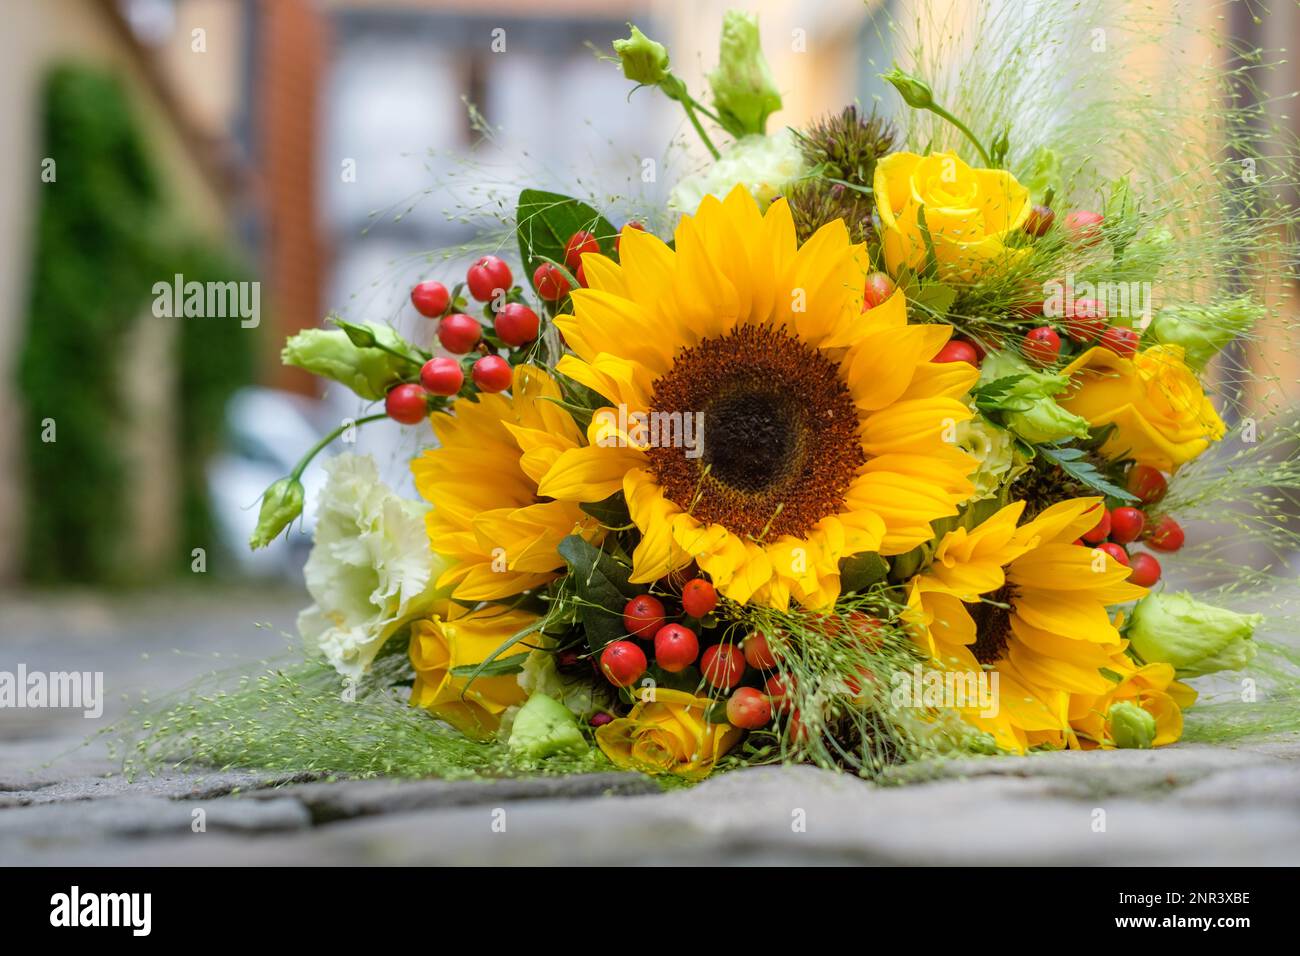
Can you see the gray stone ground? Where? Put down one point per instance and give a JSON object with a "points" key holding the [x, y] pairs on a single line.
{"points": [[1182, 805]]}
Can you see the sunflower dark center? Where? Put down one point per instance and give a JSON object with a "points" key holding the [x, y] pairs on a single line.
{"points": [[992, 618], [780, 433]]}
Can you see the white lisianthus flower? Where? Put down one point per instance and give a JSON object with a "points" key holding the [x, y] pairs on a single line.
{"points": [[995, 450], [765, 164], [371, 570]]}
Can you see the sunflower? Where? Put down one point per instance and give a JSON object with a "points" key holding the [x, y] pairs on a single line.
{"points": [[1026, 603], [487, 517], [824, 427]]}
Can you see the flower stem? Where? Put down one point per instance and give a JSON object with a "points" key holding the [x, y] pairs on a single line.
{"points": [[944, 114], [689, 105], [320, 446]]}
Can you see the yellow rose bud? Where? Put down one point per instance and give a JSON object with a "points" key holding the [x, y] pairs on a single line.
{"points": [[937, 205], [668, 734], [1161, 414], [442, 647]]}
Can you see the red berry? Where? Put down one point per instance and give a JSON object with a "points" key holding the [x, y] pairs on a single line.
{"points": [[581, 276], [780, 687], [758, 653], [1121, 340], [600, 719], [459, 333], [643, 616], [1098, 534], [1126, 525], [1084, 226], [1166, 535], [580, 242], [749, 709], [1146, 570], [1116, 551], [879, 287], [492, 374], [1085, 319], [1042, 345], [488, 278], [698, 597], [1040, 220], [550, 282], [407, 404], [430, 299], [723, 665], [958, 351], [632, 224], [442, 376], [676, 647], [516, 324], [622, 663], [1147, 483]]}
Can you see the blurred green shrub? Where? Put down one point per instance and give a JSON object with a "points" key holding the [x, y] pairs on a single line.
{"points": [[105, 232]]}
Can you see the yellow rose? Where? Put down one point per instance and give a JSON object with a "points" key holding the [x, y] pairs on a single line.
{"points": [[969, 213], [440, 644], [668, 735], [1162, 416]]}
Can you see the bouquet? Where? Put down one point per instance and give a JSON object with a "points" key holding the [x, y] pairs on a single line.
{"points": [[878, 443]]}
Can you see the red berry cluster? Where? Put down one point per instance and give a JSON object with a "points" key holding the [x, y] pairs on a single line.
{"points": [[1123, 526], [675, 646], [1085, 322]]}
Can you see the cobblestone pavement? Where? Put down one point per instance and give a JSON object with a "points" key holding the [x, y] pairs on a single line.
{"points": [[1182, 805]]}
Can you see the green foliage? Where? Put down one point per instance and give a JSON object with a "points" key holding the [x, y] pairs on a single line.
{"points": [[102, 240], [92, 273], [545, 221], [215, 358]]}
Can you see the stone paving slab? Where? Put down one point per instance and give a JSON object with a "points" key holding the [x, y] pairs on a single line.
{"points": [[1189, 804], [1183, 805]]}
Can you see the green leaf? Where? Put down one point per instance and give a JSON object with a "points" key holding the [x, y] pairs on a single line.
{"points": [[494, 668], [993, 396], [1073, 462], [544, 222], [935, 298], [612, 512], [602, 588], [860, 571]]}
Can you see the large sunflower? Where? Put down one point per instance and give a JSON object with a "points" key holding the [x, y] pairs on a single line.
{"points": [[487, 516], [1028, 604], [824, 428]]}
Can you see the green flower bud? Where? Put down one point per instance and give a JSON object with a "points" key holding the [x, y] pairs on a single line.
{"points": [[1131, 727], [1027, 405], [334, 354], [1196, 638], [915, 93], [644, 61], [545, 727], [281, 503], [1203, 330], [743, 89]]}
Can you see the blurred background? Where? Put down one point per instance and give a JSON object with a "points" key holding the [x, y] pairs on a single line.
{"points": [[323, 149]]}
